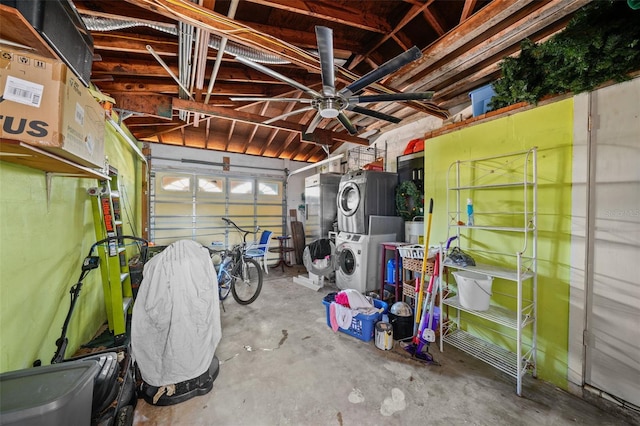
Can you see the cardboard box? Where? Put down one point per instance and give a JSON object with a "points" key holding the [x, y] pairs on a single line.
{"points": [[45, 105]]}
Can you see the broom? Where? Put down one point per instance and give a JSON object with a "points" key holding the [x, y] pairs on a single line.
{"points": [[419, 286], [416, 347]]}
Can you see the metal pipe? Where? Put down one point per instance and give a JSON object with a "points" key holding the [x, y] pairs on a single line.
{"points": [[223, 45], [168, 70], [128, 139], [100, 24]]}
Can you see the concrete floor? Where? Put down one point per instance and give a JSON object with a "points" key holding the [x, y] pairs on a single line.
{"points": [[282, 365]]}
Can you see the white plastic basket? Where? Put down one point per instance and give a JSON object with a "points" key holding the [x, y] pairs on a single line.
{"points": [[415, 251]]}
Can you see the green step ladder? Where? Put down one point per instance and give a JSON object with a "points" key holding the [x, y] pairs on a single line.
{"points": [[114, 264]]}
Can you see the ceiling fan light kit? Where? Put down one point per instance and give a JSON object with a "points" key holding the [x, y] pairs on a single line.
{"points": [[332, 103]]}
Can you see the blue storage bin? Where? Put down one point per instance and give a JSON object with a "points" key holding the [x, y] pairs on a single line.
{"points": [[481, 98], [362, 326]]}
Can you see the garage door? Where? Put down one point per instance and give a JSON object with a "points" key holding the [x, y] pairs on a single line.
{"points": [[187, 205]]}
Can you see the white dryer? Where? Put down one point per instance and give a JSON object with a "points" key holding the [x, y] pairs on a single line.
{"points": [[358, 260], [363, 193]]}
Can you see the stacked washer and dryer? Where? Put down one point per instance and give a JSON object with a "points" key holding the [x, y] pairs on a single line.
{"points": [[366, 218]]}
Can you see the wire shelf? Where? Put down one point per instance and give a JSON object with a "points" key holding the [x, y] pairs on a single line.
{"points": [[361, 156], [493, 355]]}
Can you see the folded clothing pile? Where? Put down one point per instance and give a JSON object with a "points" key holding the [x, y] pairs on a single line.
{"points": [[345, 305]]}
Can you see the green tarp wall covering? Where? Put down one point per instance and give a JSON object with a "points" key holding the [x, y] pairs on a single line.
{"points": [[550, 129], [42, 246]]}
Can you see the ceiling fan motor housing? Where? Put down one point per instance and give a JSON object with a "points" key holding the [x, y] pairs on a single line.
{"points": [[329, 107]]}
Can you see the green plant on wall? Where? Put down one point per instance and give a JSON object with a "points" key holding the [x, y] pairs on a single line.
{"points": [[600, 43]]}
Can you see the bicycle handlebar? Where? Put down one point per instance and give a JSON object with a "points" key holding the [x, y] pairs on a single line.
{"points": [[244, 231]]}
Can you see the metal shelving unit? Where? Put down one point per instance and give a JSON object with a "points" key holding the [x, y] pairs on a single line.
{"points": [[511, 316]]}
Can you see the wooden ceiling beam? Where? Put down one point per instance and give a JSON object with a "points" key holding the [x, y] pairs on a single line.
{"points": [[255, 128], [433, 21], [230, 114], [268, 141], [199, 17], [151, 105], [127, 43], [413, 12], [341, 13], [295, 136], [227, 73], [402, 40], [342, 46], [503, 43], [473, 29], [168, 87], [467, 9]]}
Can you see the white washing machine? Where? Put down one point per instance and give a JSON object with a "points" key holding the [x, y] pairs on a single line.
{"points": [[358, 260], [363, 193]]}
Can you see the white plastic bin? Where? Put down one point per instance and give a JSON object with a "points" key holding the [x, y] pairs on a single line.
{"points": [[474, 289], [414, 232]]}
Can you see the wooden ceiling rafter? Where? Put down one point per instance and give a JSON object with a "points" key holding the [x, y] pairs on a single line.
{"points": [[229, 114], [434, 22], [254, 128], [341, 14], [413, 12], [268, 141], [230, 134], [467, 9], [401, 40], [466, 33], [207, 132], [343, 47], [121, 43], [222, 26], [166, 87], [287, 141], [493, 48], [462, 45], [157, 131], [305, 118]]}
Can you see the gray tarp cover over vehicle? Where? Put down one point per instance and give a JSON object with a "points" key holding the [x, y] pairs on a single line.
{"points": [[175, 327]]}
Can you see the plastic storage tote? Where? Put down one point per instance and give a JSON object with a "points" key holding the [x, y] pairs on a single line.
{"points": [[362, 326]]}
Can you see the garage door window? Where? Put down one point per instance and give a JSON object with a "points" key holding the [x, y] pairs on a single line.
{"points": [[241, 186], [176, 183], [210, 185]]}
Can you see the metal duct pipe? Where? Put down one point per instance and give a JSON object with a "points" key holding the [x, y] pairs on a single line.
{"points": [[223, 45], [95, 23]]}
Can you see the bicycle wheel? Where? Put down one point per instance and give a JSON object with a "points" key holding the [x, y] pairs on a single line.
{"points": [[224, 283], [247, 282]]}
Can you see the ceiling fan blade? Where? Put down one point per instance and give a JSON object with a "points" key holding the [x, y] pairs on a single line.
{"points": [[390, 97], [382, 71], [346, 123], [375, 114], [262, 99], [277, 75], [324, 36], [314, 123], [294, 112]]}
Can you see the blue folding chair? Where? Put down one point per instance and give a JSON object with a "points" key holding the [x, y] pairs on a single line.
{"points": [[259, 250]]}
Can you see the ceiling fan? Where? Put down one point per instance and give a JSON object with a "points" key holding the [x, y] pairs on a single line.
{"points": [[332, 103]]}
